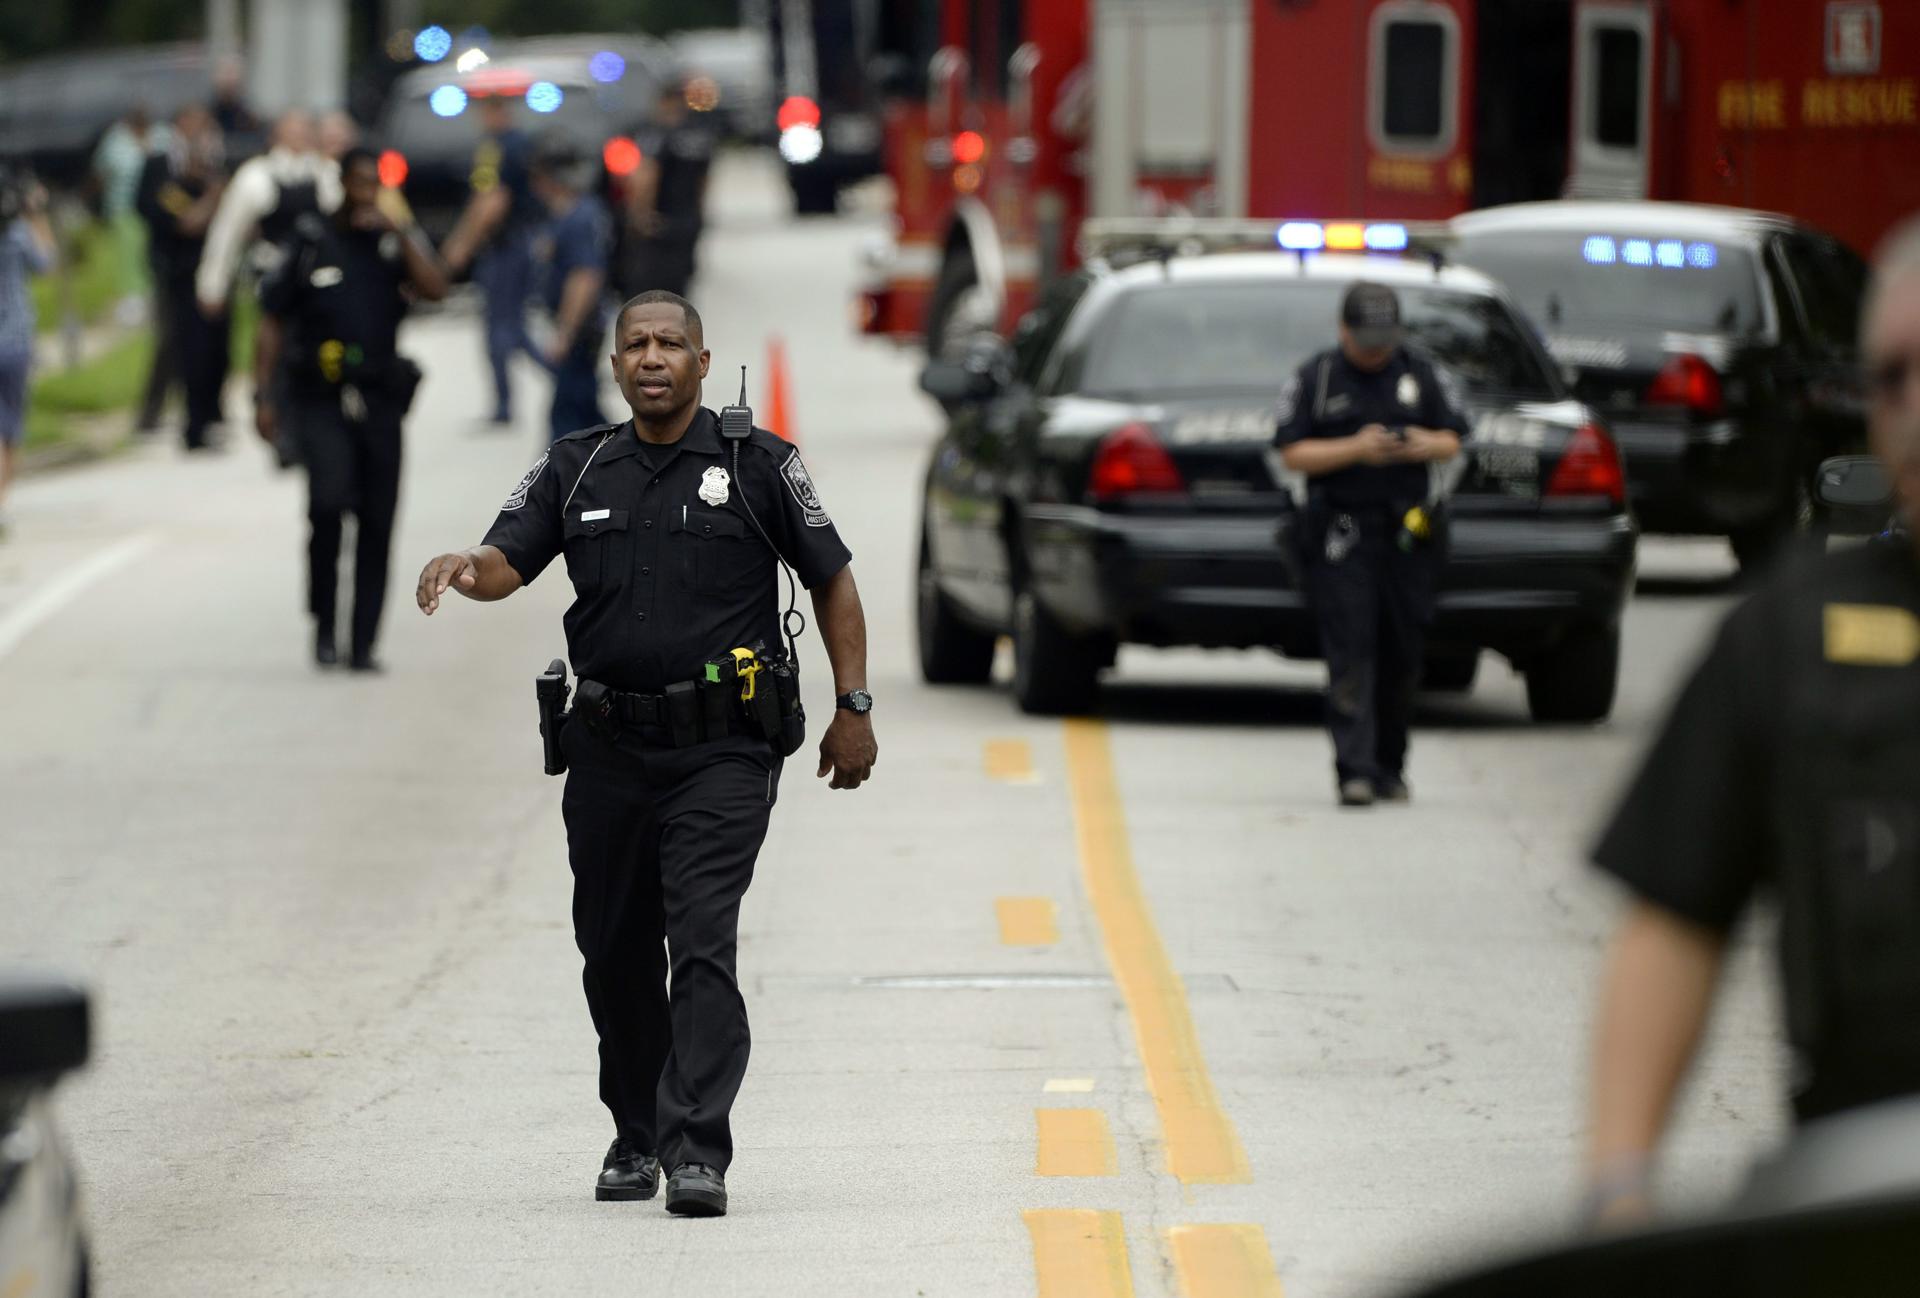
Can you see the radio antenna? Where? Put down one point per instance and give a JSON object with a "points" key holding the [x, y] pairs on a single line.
{"points": [[743, 385]]}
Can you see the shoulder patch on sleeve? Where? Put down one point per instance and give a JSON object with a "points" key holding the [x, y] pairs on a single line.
{"points": [[1289, 400], [519, 497], [800, 483]]}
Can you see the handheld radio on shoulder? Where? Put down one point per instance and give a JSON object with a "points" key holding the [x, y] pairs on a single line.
{"points": [[736, 420]]}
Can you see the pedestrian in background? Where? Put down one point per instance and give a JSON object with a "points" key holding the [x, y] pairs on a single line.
{"points": [[1790, 763], [1364, 423], [118, 161], [332, 310], [26, 250], [495, 237], [667, 806], [665, 202], [179, 193], [573, 254]]}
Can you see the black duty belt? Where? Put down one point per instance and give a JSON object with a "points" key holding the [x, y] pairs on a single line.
{"points": [[703, 714]]}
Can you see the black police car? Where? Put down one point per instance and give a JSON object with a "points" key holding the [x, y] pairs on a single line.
{"points": [[1720, 345], [431, 126], [1109, 478], [43, 1036]]}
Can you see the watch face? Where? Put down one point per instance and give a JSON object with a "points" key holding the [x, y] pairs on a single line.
{"points": [[859, 700]]}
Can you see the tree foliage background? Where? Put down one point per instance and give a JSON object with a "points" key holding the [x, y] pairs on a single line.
{"points": [[31, 27]]}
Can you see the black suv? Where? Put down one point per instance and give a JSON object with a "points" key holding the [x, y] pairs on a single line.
{"points": [[1720, 346]]}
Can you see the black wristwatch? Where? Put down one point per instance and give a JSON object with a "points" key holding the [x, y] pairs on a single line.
{"points": [[858, 702]]}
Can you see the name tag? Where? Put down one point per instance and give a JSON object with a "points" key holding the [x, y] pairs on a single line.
{"points": [[1871, 635], [588, 516]]}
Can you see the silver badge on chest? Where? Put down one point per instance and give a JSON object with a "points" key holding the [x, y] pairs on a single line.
{"points": [[1408, 391], [713, 486]]}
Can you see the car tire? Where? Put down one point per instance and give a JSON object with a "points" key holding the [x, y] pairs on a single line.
{"points": [[1451, 673], [1055, 673], [1575, 681], [814, 194], [951, 652]]}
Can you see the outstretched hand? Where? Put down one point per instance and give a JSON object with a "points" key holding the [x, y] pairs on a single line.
{"points": [[446, 571]]}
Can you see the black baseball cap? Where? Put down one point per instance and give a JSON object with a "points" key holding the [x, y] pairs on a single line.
{"points": [[1371, 313]]}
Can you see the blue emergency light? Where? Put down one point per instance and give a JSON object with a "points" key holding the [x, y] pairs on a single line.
{"points": [[448, 101], [1671, 254], [543, 97], [1342, 236], [432, 45]]}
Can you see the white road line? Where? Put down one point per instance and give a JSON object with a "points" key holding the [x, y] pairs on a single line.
{"points": [[16, 624]]}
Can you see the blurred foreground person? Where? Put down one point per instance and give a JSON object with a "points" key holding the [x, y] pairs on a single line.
{"points": [[26, 249], [673, 533], [495, 236], [179, 192], [1791, 760], [331, 311], [575, 247], [1363, 422]]}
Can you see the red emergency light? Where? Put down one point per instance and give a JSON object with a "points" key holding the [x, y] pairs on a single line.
{"points": [[969, 147], [798, 110], [621, 156], [393, 168]]}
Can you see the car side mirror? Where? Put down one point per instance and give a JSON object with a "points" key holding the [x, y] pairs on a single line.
{"points": [[958, 383], [1854, 482], [45, 1030]]}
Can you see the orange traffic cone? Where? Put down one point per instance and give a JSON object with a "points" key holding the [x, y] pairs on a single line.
{"points": [[779, 419]]}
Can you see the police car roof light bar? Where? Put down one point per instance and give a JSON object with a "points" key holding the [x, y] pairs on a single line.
{"points": [[1121, 241]]}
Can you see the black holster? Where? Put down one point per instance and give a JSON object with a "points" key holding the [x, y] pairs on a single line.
{"points": [[785, 723], [550, 692]]}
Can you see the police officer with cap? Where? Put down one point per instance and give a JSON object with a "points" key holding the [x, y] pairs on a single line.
{"points": [[495, 236], [672, 535], [1790, 762], [330, 324], [1365, 423], [666, 200]]}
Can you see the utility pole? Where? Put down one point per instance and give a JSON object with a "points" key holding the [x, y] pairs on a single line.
{"points": [[297, 55], [223, 30]]}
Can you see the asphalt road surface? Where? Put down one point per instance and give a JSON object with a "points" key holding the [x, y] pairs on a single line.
{"points": [[1045, 1008]]}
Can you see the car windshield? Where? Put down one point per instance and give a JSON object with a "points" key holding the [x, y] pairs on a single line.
{"points": [[1183, 339], [1572, 280], [417, 131]]}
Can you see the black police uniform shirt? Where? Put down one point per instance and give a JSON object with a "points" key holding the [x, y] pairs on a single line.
{"points": [[579, 239], [1792, 759], [342, 295], [684, 152], [668, 570], [1330, 397], [166, 193]]}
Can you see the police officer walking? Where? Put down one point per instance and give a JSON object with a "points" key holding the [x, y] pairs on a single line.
{"points": [[179, 191], [666, 201], [1791, 761], [1364, 423], [671, 532], [575, 247], [331, 312], [495, 236]]}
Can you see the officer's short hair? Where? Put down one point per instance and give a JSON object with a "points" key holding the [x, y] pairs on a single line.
{"points": [[356, 155], [660, 297]]}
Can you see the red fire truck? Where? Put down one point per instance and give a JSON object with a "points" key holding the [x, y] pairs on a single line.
{"points": [[1033, 114]]}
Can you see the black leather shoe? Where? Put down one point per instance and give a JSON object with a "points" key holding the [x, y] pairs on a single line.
{"points": [[628, 1173], [696, 1190], [325, 652], [366, 662], [1392, 789]]}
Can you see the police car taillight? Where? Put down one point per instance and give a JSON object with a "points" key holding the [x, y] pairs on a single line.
{"points": [[1131, 462], [1687, 381], [1590, 466]]}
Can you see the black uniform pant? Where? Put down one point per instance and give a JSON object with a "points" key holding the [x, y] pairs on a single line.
{"points": [[1371, 605], [165, 370], [352, 468], [202, 349], [662, 842]]}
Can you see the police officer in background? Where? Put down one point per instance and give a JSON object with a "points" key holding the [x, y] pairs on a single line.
{"points": [[1365, 423], [179, 191], [574, 250], [670, 534], [665, 204], [1790, 761], [495, 237], [331, 312]]}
